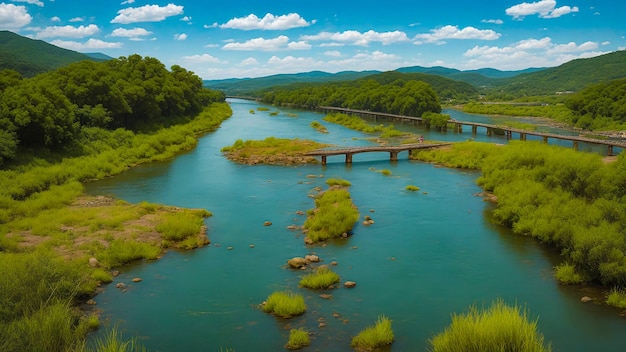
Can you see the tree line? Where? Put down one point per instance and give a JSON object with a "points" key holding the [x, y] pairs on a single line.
{"points": [[600, 106], [52, 109]]}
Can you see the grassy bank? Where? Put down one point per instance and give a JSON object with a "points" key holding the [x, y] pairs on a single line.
{"points": [[272, 150], [57, 245], [570, 200]]}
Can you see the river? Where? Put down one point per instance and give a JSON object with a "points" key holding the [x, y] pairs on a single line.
{"points": [[428, 255]]}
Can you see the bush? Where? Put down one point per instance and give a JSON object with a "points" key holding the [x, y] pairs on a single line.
{"points": [[284, 304], [298, 338], [567, 274], [616, 298], [333, 216], [373, 337], [338, 182], [498, 328], [323, 277]]}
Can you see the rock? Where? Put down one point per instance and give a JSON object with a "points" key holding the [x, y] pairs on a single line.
{"points": [[326, 296], [334, 262], [349, 284], [344, 235], [137, 279], [115, 273], [311, 258], [93, 262], [251, 246], [230, 248], [321, 325], [300, 212], [120, 285], [292, 227], [371, 210], [91, 302], [586, 299], [336, 315], [296, 262], [307, 240], [267, 223]]}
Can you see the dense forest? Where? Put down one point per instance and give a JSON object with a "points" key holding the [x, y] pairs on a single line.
{"points": [[405, 97], [53, 110], [601, 105]]}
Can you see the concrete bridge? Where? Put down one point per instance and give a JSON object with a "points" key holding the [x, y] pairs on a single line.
{"points": [[392, 150], [490, 129]]}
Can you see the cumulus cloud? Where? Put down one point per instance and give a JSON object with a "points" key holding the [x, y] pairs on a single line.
{"points": [[543, 8], [68, 31], [130, 33], [333, 53], [278, 43], [77, 19], [453, 32], [358, 38], [181, 36], [298, 46], [204, 58], [56, 19], [13, 17], [249, 62], [493, 21], [268, 22], [147, 13], [32, 2], [88, 45], [529, 53]]}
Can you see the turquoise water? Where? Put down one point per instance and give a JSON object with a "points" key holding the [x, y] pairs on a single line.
{"points": [[429, 254]]}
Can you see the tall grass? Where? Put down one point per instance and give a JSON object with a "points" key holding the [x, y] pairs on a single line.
{"points": [[298, 338], [616, 298], [178, 226], [497, 328], [338, 182], [114, 341], [323, 277], [334, 215], [374, 337], [284, 304]]}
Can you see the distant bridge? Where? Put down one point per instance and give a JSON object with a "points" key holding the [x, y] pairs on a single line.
{"points": [[508, 131], [392, 150]]}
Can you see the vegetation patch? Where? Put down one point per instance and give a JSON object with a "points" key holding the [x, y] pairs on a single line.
{"points": [[275, 151], [374, 337], [567, 274], [319, 127], [284, 304], [323, 277], [412, 188], [616, 298], [497, 328], [338, 182], [334, 216], [298, 338]]}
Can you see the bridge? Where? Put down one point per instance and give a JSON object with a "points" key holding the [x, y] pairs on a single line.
{"points": [[392, 150], [490, 129]]}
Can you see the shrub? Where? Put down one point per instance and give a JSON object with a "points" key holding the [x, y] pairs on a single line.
{"points": [[375, 336], [338, 182], [334, 215], [567, 274], [617, 298], [284, 304], [180, 225], [386, 172], [412, 188], [498, 328], [298, 338], [323, 277]]}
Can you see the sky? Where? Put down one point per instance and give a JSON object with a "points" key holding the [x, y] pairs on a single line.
{"points": [[252, 38]]}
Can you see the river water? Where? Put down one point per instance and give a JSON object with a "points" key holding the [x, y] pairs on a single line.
{"points": [[428, 255]]}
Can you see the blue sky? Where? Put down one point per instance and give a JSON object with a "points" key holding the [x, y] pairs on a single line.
{"points": [[252, 38]]}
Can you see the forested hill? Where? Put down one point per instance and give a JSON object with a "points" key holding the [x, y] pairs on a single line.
{"points": [[30, 57], [572, 76]]}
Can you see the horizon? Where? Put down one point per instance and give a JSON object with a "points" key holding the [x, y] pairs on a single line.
{"points": [[250, 40]]}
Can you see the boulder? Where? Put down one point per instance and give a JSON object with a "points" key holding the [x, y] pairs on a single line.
{"points": [[267, 223], [93, 262], [349, 284], [120, 285], [91, 302], [137, 279], [326, 296], [311, 258], [586, 299], [296, 262]]}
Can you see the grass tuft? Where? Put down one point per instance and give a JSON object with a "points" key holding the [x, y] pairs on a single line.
{"points": [[298, 338], [374, 337], [323, 277], [284, 304]]}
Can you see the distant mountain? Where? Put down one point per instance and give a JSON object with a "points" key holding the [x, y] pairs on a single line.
{"points": [[571, 76], [484, 77], [99, 56], [30, 57], [252, 86]]}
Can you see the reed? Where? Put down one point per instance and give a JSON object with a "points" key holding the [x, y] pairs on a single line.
{"points": [[284, 304], [298, 338], [374, 337]]}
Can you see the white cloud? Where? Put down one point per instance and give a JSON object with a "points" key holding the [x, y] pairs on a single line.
{"points": [[543, 8], [358, 38], [493, 21], [298, 46], [204, 58], [453, 32], [68, 31], [181, 36], [186, 19], [77, 19], [32, 2], [268, 22], [249, 62], [333, 53], [88, 45], [130, 33], [13, 17], [128, 2], [56, 19], [263, 44], [147, 13], [214, 25], [572, 47]]}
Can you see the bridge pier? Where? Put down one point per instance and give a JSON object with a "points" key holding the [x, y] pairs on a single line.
{"points": [[576, 145], [474, 129], [610, 151], [522, 136], [348, 158], [545, 140], [489, 131], [393, 156], [458, 128], [509, 135], [323, 159]]}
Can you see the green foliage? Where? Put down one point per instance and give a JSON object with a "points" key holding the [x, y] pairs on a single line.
{"points": [[338, 182], [616, 298], [390, 93], [567, 274], [412, 188], [319, 127], [323, 277], [334, 215], [298, 338], [178, 226], [556, 111], [465, 155], [432, 119], [114, 341], [374, 337], [600, 106], [120, 252], [385, 172], [498, 328], [284, 304]]}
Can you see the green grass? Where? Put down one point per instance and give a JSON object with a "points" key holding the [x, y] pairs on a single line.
{"points": [[374, 337], [385, 172], [322, 278], [412, 188], [338, 182], [179, 226], [298, 338], [319, 127], [616, 298], [497, 328], [284, 304], [567, 274], [114, 341], [333, 215]]}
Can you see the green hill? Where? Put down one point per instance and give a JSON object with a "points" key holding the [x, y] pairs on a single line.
{"points": [[31, 57]]}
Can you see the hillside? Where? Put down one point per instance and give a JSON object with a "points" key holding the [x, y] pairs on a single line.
{"points": [[571, 76], [31, 57]]}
